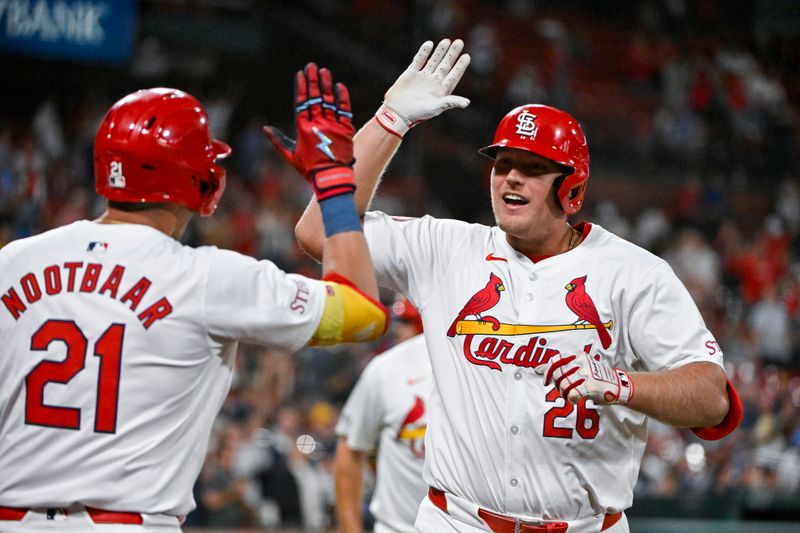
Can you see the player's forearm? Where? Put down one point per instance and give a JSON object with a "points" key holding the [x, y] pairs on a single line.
{"points": [[373, 148], [692, 395], [348, 471], [346, 254]]}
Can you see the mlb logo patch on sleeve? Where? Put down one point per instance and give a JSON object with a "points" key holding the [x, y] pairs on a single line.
{"points": [[97, 247]]}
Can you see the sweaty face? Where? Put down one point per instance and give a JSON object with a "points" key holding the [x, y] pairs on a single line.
{"points": [[522, 199]]}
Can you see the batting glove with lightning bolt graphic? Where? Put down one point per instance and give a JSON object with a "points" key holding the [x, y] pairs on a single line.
{"points": [[424, 90], [323, 151], [578, 376]]}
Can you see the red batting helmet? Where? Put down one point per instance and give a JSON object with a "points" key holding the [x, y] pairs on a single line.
{"points": [[154, 146], [550, 133], [405, 310]]}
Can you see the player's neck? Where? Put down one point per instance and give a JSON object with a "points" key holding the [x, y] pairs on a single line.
{"points": [[563, 239], [166, 220]]}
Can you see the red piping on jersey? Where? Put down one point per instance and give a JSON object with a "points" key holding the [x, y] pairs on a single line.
{"points": [[338, 278]]}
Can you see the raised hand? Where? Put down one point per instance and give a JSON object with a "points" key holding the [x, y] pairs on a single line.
{"points": [[323, 151], [424, 90]]}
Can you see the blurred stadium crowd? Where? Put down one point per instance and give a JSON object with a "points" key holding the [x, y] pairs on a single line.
{"points": [[692, 119]]}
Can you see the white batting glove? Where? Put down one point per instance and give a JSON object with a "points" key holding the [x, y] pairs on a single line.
{"points": [[581, 375], [424, 89]]}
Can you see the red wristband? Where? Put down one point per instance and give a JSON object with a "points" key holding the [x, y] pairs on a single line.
{"points": [[333, 181]]}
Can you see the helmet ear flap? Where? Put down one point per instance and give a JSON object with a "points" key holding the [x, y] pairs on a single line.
{"points": [[573, 200], [570, 199], [563, 197], [211, 190]]}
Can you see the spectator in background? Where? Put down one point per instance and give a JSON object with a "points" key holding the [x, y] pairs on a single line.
{"points": [[525, 86], [787, 204], [280, 492], [771, 329], [483, 39], [695, 263], [223, 492]]}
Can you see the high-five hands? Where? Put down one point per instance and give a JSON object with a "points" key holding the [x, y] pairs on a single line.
{"points": [[323, 151], [424, 89], [578, 376]]}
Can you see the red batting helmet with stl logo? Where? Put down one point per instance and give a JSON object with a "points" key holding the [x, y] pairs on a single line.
{"points": [[550, 133], [154, 146]]}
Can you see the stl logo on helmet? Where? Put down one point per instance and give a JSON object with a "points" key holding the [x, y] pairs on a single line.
{"points": [[115, 177], [526, 127]]}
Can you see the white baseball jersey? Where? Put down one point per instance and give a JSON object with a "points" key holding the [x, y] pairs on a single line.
{"points": [[496, 436], [118, 347], [387, 410]]}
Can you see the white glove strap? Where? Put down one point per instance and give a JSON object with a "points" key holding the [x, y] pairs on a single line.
{"points": [[625, 387], [391, 121], [615, 384]]}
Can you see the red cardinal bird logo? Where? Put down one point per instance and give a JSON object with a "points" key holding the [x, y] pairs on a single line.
{"points": [[416, 432], [582, 305], [415, 413], [481, 301]]}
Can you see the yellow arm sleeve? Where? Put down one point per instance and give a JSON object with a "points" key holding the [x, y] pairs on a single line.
{"points": [[349, 316]]}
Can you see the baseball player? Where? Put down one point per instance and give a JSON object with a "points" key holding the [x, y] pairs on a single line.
{"points": [[118, 341], [551, 344], [386, 411]]}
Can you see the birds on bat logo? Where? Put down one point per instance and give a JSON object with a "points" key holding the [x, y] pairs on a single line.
{"points": [[577, 299]]}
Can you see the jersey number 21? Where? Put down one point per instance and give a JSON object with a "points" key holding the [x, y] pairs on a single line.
{"points": [[108, 348]]}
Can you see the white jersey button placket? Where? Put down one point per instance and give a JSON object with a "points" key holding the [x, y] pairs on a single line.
{"points": [[518, 393], [515, 421]]}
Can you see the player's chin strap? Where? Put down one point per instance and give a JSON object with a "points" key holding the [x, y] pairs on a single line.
{"points": [[349, 315], [731, 420]]}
